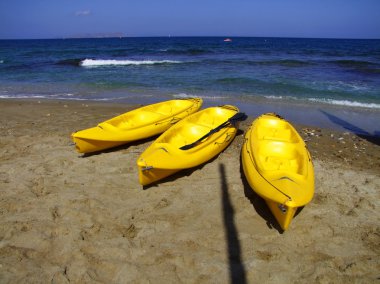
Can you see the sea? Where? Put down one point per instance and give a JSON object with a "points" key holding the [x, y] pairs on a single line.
{"points": [[330, 83]]}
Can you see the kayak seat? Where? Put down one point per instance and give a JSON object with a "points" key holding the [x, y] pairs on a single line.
{"points": [[147, 117], [205, 120], [272, 163], [196, 130], [178, 140], [163, 113], [137, 119], [285, 135], [188, 133], [163, 109], [108, 126], [279, 156]]}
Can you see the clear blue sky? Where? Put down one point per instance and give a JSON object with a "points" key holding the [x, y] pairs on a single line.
{"points": [[272, 18]]}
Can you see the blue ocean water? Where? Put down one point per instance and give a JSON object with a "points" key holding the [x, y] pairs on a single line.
{"points": [[259, 74]]}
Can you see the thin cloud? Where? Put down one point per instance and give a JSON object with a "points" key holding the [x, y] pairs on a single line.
{"points": [[83, 13]]}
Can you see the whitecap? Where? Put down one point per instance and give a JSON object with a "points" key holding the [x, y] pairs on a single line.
{"points": [[205, 97], [183, 96], [21, 96], [274, 97], [113, 62], [345, 103]]}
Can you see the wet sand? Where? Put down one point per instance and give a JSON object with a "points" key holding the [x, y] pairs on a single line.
{"points": [[66, 217]]}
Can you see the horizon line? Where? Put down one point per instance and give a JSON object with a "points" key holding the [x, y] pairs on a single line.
{"points": [[188, 36]]}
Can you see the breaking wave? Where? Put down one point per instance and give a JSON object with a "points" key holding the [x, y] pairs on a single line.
{"points": [[112, 62], [345, 103], [205, 97]]}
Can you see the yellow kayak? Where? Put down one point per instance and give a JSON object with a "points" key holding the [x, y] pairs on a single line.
{"points": [[134, 125], [278, 166], [189, 143]]}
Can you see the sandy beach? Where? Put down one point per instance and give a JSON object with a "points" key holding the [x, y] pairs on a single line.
{"points": [[86, 219]]}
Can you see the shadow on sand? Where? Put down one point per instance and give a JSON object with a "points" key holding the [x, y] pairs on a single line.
{"points": [[181, 173], [373, 138], [259, 204], [237, 271], [119, 148]]}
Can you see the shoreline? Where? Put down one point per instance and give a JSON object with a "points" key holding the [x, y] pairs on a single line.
{"points": [[70, 218], [358, 120]]}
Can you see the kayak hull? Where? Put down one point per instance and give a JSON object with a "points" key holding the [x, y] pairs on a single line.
{"points": [[135, 125], [164, 157], [278, 166]]}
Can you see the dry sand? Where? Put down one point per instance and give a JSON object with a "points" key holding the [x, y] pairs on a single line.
{"points": [[68, 218]]}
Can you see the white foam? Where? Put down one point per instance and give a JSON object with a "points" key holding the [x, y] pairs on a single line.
{"points": [[274, 97], [39, 96], [183, 96], [289, 98], [112, 62], [65, 96], [345, 103], [23, 97], [340, 85], [1, 61], [205, 97], [58, 95]]}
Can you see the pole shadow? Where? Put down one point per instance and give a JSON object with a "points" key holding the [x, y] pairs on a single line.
{"points": [[373, 138], [236, 267]]}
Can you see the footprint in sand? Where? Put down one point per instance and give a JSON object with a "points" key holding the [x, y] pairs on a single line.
{"points": [[4, 177], [38, 187], [89, 232], [129, 232], [162, 204], [55, 213]]}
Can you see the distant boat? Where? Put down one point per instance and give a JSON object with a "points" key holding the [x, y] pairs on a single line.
{"points": [[227, 40]]}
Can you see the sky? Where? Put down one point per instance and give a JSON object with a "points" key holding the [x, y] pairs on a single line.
{"points": [[21, 19]]}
